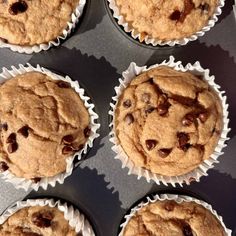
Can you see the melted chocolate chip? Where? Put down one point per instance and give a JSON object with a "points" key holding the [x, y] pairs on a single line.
{"points": [[12, 147], [146, 97], [3, 40], [129, 119], [87, 132], [127, 103], [24, 131], [18, 7], [63, 84], [169, 206], [188, 119], [204, 7], [184, 100], [175, 16], [188, 7], [68, 139], [11, 138], [36, 180], [164, 152], [67, 150], [4, 127], [42, 220], [183, 139], [203, 116], [187, 231], [3, 166], [149, 109], [163, 108], [150, 144]]}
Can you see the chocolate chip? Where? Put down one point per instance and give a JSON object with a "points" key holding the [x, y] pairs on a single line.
{"points": [[163, 108], [42, 220], [12, 147], [3, 40], [68, 139], [127, 103], [18, 7], [146, 97], [183, 139], [188, 119], [36, 180], [67, 150], [203, 116], [63, 84], [175, 16], [24, 131], [188, 7], [164, 152], [204, 7], [87, 132], [187, 231], [169, 206], [4, 127], [3, 166], [11, 138], [149, 109], [150, 144], [129, 119]]}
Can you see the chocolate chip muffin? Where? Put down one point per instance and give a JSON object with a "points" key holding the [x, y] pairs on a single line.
{"points": [[43, 122], [168, 218], [37, 221], [168, 121], [167, 19], [27, 23]]}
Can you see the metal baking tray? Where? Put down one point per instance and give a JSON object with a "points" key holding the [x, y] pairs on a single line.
{"points": [[95, 55]]}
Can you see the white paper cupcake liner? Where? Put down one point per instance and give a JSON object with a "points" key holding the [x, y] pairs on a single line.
{"points": [[176, 198], [156, 42], [45, 46], [76, 220], [202, 169], [22, 183]]}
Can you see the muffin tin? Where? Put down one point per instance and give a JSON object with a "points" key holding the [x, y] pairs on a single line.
{"points": [[95, 55]]}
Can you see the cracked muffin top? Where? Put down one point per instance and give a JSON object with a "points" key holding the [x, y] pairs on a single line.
{"points": [[27, 22], [43, 121], [168, 218], [167, 19], [168, 121], [37, 221]]}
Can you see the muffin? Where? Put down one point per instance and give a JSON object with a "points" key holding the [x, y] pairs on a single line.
{"points": [[169, 218], [168, 122], [159, 22], [43, 123], [28, 23], [37, 221]]}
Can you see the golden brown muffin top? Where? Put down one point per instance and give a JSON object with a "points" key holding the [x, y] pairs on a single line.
{"points": [[168, 121], [43, 122], [27, 22], [168, 218], [37, 221], [167, 19]]}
